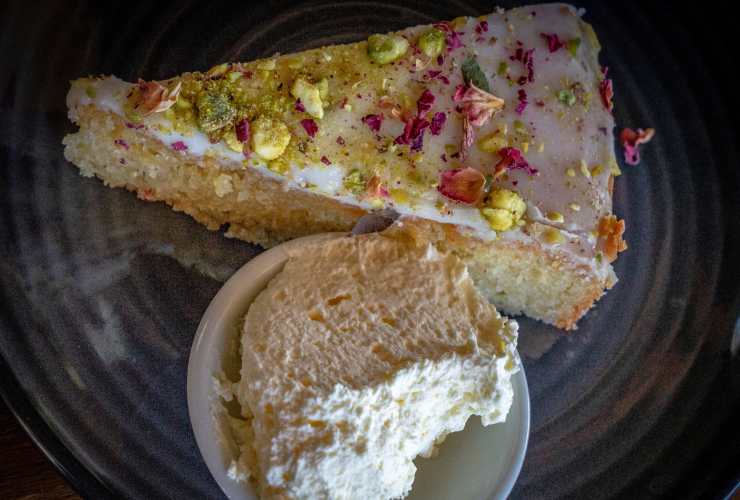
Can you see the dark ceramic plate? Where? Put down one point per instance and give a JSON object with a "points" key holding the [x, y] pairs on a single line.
{"points": [[102, 293]]}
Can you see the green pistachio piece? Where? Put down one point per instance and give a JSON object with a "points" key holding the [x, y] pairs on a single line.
{"points": [[310, 96], [573, 45], [218, 70], [215, 111], [384, 49], [432, 42], [323, 86], [269, 137], [566, 97], [354, 182]]}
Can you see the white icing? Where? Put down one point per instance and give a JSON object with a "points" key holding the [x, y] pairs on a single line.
{"points": [[326, 178], [568, 141]]}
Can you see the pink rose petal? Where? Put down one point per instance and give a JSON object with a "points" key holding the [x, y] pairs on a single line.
{"points": [[310, 127], [373, 121], [631, 140], [462, 184]]}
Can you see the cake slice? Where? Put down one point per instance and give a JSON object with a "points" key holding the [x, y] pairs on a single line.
{"points": [[491, 136], [362, 354]]}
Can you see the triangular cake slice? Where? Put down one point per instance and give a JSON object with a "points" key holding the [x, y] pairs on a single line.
{"points": [[362, 354], [489, 135]]}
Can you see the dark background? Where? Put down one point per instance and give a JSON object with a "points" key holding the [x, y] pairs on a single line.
{"points": [[43, 45]]}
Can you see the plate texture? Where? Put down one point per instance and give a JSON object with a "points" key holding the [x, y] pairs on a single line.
{"points": [[102, 293]]}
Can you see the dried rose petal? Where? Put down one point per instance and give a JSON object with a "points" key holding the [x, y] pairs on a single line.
{"points": [[631, 140], [462, 184], [135, 127], [299, 106], [553, 41], [459, 92], [479, 105], [425, 102], [435, 74], [452, 37], [413, 133], [521, 106], [606, 89], [373, 121], [310, 126], [242, 130], [438, 121], [179, 146], [512, 159], [375, 189], [121, 143], [325, 160], [340, 140], [481, 27], [153, 97], [526, 57]]}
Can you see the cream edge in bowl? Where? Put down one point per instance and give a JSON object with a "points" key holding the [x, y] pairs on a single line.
{"points": [[476, 463]]}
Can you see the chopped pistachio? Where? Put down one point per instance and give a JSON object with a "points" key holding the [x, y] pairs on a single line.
{"points": [[504, 209], [598, 169], [525, 147], [459, 22], [234, 76], [279, 166], [574, 206], [520, 127], [267, 65], [584, 169], [231, 141], [400, 196], [503, 68], [432, 42], [215, 111], [354, 182], [90, 92], [217, 70], [492, 143], [572, 46], [553, 236], [384, 49], [570, 172], [555, 217], [310, 96], [566, 97], [323, 86], [498, 218], [182, 103], [269, 137]]}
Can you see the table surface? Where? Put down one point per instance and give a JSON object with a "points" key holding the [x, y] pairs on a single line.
{"points": [[26, 473]]}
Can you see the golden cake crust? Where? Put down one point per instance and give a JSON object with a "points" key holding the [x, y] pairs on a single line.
{"points": [[518, 277]]}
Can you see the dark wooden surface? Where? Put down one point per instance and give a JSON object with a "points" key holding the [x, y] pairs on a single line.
{"points": [[25, 473]]}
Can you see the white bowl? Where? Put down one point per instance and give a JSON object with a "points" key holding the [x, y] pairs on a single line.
{"points": [[477, 463]]}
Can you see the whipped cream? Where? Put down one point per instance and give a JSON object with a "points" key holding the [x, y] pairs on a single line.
{"points": [[361, 355]]}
